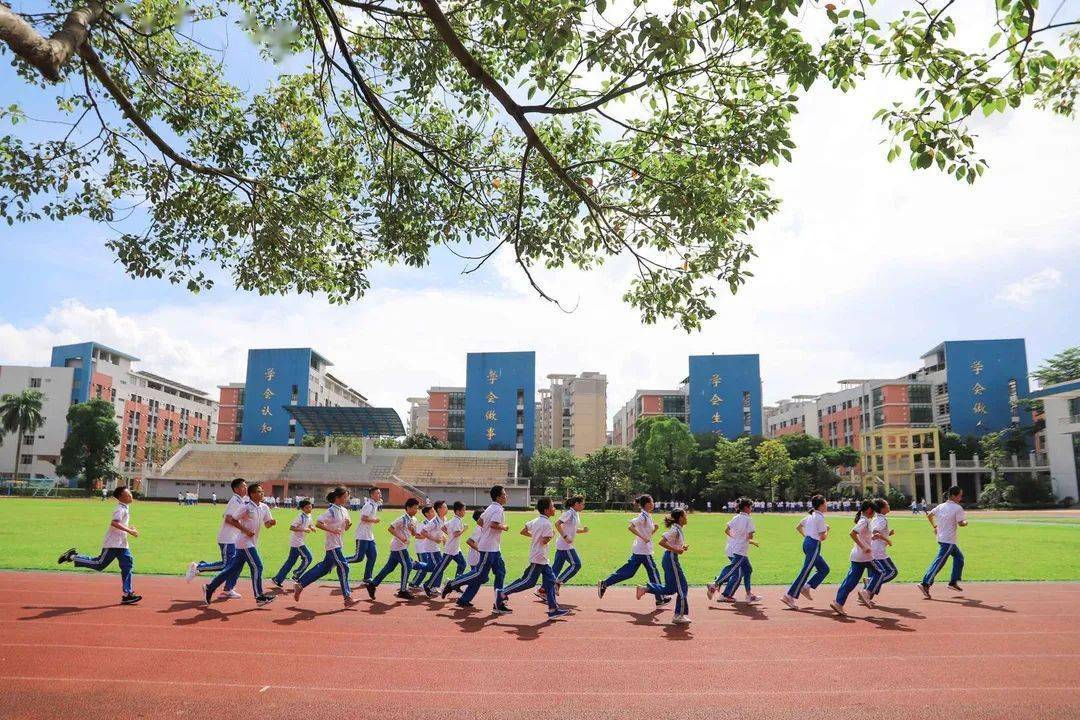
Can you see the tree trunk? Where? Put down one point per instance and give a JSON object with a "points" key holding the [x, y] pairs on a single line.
{"points": [[18, 451], [49, 55]]}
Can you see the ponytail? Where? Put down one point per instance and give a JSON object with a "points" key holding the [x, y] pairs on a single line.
{"points": [[863, 507], [673, 517], [337, 492], [880, 504]]}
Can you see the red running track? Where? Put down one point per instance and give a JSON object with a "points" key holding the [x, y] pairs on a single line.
{"points": [[67, 650]]}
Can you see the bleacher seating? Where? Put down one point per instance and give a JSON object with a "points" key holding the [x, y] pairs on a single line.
{"points": [[223, 465], [453, 471]]}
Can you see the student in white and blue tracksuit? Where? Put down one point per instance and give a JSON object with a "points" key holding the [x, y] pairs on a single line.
{"points": [[301, 526], [251, 517], [568, 527], [226, 539], [473, 558], [489, 547], [402, 529], [113, 547], [950, 516], [454, 529], [740, 536], [642, 528], [335, 522], [814, 531], [540, 532], [428, 541], [366, 549], [674, 543], [880, 540], [861, 557]]}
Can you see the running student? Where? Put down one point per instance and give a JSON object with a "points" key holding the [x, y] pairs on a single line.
{"points": [[429, 540], [861, 556], [454, 529], [540, 532], [642, 528], [250, 518], [950, 515], [113, 547], [814, 531], [366, 549], [568, 526], [226, 539], [298, 550], [490, 561], [334, 523], [880, 540], [474, 537], [674, 544], [402, 529], [740, 536]]}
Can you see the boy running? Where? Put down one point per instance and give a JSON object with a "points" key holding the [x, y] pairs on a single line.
{"points": [[250, 517], [540, 532], [950, 516], [226, 540], [298, 550], [113, 547]]}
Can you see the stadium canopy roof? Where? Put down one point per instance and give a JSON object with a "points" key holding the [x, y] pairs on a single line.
{"points": [[364, 421]]}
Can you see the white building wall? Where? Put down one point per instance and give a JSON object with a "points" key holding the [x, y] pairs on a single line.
{"points": [[1060, 429], [55, 384]]}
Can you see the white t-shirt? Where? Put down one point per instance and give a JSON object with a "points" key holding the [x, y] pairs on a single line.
{"points": [[251, 515], [862, 529], [879, 548], [491, 539], [474, 555], [674, 537], [227, 534], [814, 525], [115, 538], [405, 525], [336, 517], [366, 531], [738, 542], [454, 527], [949, 514], [298, 538], [540, 528], [570, 522], [644, 525], [432, 533]]}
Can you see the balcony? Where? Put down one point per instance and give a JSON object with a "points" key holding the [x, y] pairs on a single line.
{"points": [[1071, 420]]}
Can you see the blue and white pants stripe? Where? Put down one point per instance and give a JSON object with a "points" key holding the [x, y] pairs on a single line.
{"points": [[536, 571], [425, 564], [886, 571], [811, 561], [630, 569], [122, 556], [435, 578], [851, 580], [674, 584], [300, 553], [231, 571], [945, 551], [333, 559], [397, 557], [738, 570], [491, 563], [367, 551], [571, 560]]}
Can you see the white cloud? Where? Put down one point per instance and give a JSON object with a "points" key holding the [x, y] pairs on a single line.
{"points": [[1025, 290]]}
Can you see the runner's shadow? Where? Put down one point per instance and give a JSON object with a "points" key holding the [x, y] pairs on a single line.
{"points": [[377, 607], [748, 610], [678, 632], [60, 610], [209, 614], [182, 605], [304, 615], [829, 614], [902, 612], [645, 619], [468, 623], [892, 624], [524, 632], [973, 603]]}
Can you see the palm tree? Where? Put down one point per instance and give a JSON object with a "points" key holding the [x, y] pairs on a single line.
{"points": [[20, 414]]}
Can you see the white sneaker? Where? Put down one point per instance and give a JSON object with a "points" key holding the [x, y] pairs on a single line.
{"points": [[640, 592], [806, 593], [232, 594], [192, 571], [789, 601], [680, 620], [866, 598], [710, 590], [838, 609], [752, 598]]}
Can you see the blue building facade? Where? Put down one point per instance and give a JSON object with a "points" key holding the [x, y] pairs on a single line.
{"points": [[986, 379], [275, 378], [81, 357], [500, 395], [724, 393]]}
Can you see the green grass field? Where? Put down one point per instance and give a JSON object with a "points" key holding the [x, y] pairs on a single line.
{"points": [[998, 546]]}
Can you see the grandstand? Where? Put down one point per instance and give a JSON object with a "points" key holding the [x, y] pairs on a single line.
{"points": [[449, 475]]}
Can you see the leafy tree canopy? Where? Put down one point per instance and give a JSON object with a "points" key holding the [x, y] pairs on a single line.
{"points": [[90, 447], [1060, 368], [564, 132]]}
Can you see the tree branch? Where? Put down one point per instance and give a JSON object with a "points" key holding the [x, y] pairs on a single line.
{"points": [[48, 55]]}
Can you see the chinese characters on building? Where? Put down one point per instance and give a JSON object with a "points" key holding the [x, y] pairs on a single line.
{"points": [[978, 407], [265, 411], [490, 416]]}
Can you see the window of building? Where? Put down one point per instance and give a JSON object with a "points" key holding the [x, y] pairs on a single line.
{"points": [[26, 459], [35, 382]]}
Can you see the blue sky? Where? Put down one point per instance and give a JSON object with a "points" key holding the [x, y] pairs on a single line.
{"points": [[867, 266]]}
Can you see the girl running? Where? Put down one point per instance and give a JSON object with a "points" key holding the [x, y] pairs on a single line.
{"points": [[860, 557], [298, 550], [814, 531], [880, 540], [568, 527], [674, 544], [740, 534], [334, 523]]}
